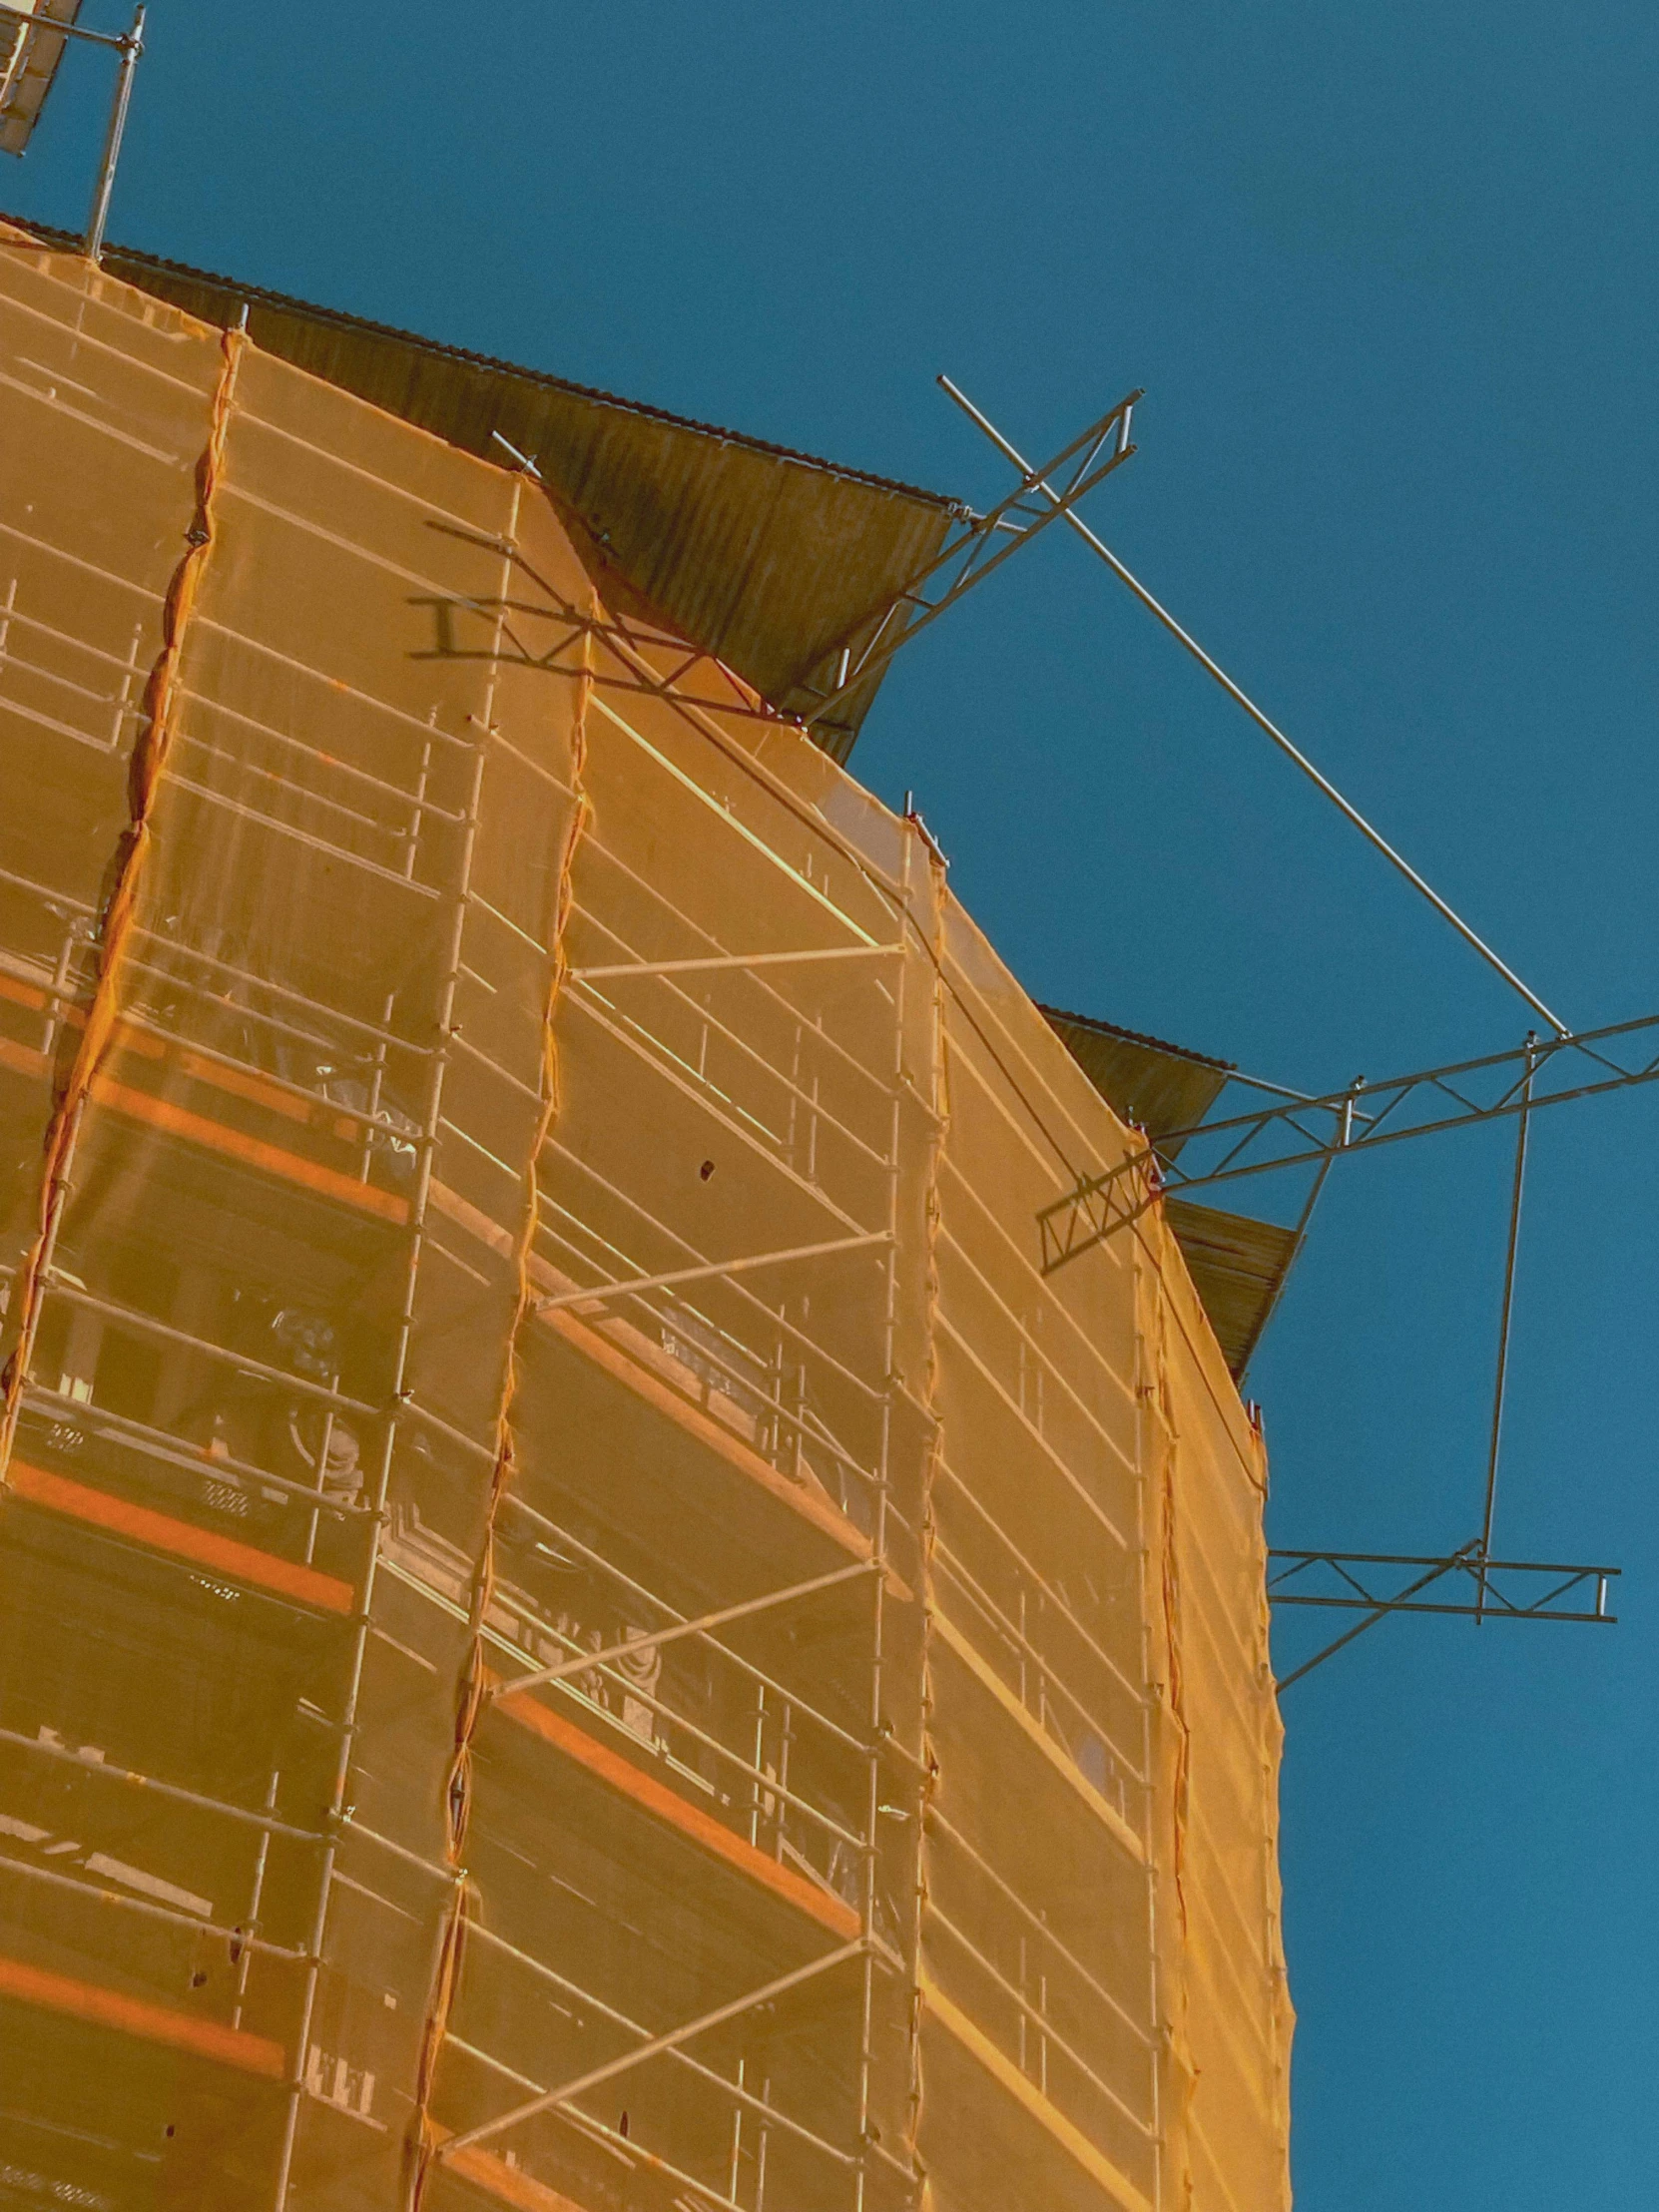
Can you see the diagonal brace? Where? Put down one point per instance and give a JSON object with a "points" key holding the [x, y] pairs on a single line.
{"points": [[602, 1292], [653, 2049], [1037, 479], [632, 1646]]}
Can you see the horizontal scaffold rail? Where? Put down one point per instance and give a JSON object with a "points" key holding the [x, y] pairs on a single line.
{"points": [[1297, 1131]]}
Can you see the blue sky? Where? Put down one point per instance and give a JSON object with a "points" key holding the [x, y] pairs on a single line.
{"points": [[1388, 278]]}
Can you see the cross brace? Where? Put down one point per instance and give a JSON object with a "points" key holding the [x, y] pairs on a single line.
{"points": [[549, 2099], [1298, 1131]]}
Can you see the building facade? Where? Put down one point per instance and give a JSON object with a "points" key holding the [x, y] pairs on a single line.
{"points": [[581, 1624]]}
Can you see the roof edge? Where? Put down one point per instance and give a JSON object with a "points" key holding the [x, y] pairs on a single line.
{"points": [[1101, 1028], [265, 294]]}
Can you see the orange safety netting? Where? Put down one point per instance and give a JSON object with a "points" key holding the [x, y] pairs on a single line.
{"points": [[580, 1624]]}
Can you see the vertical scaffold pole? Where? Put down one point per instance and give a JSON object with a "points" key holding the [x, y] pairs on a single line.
{"points": [[132, 46], [1501, 1381], [1154, 1986], [439, 1065], [889, 1346]]}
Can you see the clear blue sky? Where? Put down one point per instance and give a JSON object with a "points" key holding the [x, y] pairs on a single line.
{"points": [[1388, 276]]}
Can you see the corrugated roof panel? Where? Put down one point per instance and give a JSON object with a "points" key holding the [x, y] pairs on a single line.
{"points": [[1158, 1086], [1238, 1265], [1238, 1269]]}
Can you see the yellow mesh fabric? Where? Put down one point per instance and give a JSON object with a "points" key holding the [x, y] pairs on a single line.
{"points": [[580, 1626]]}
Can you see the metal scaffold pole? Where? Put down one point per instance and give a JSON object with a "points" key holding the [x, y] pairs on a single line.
{"points": [[1522, 1124], [397, 1404], [1038, 480], [871, 1897], [35, 29], [132, 46]]}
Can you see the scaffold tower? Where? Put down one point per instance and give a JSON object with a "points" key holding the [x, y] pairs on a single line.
{"points": [[582, 1625]]}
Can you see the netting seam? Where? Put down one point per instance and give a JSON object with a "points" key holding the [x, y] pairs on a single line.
{"points": [[932, 1296], [1282, 2016], [1184, 2079], [458, 1794], [1254, 1464], [148, 759]]}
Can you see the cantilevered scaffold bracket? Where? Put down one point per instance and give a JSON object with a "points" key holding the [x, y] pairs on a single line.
{"points": [[1035, 481], [1482, 1589], [974, 549], [1507, 1589], [1297, 1132]]}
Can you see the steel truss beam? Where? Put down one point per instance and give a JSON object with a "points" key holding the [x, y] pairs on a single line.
{"points": [[1301, 1132], [1346, 1581], [967, 556], [973, 549], [1347, 1585], [628, 645]]}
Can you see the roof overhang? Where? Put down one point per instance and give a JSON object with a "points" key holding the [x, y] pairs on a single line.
{"points": [[770, 560], [1238, 1265], [1159, 1087]]}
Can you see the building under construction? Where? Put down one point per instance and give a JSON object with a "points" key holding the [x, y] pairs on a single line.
{"points": [[584, 1627]]}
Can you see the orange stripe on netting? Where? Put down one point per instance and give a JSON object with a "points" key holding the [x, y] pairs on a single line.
{"points": [[428, 2135], [508, 2184], [235, 1144], [220, 1075], [141, 1524], [676, 1812], [148, 759], [150, 2024]]}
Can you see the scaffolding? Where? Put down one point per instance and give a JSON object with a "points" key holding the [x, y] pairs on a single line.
{"points": [[583, 1624]]}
